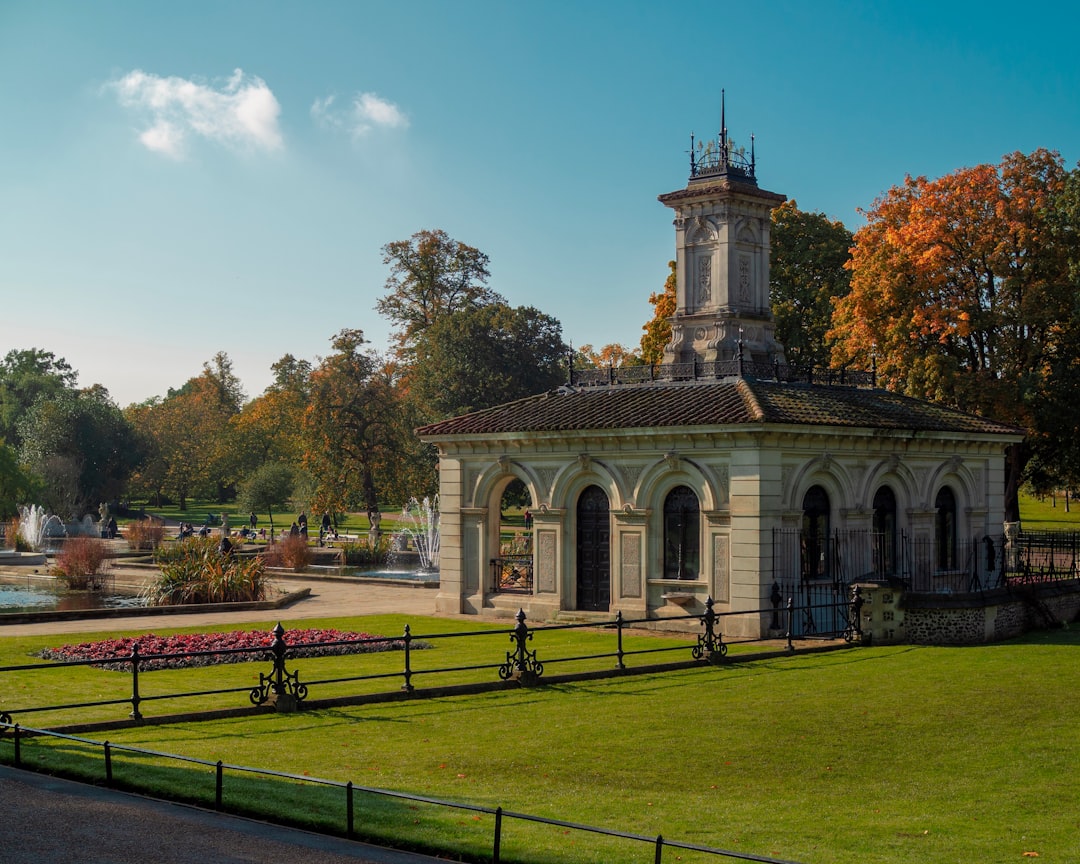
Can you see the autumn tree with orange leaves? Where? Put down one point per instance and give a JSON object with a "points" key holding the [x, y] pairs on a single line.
{"points": [[960, 291], [658, 329]]}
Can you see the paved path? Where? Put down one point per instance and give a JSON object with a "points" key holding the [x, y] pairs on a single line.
{"points": [[53, 821]]}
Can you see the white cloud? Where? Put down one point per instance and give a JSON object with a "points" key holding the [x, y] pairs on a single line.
{"points": [[241, 114], [367, 112]]}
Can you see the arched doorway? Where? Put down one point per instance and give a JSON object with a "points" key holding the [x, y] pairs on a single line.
{"points": [[815, 534], [945, 528], [884, 532], [593, 551]]}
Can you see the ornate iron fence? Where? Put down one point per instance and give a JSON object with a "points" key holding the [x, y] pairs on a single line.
{"points": [[736, 367], [285, 688]]}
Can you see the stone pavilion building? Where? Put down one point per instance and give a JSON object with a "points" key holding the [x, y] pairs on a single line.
{"points": [[722, 472]]}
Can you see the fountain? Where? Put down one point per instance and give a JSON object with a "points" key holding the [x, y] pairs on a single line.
{"points": [[44, 532], [421, 531]]}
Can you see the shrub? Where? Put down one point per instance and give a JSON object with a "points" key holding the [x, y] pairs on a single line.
{"points": [[145, 534], [81, 563], [362, 555], [194, 571], [290, 551]]}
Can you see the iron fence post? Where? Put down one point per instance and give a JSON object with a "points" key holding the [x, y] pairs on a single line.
{"points": [[18, 747], [618, 629], [710, 644], [219, 781], [135, 698], [521, 663], [349, 810], [659, 849], [407, 686], [790, 622], [498, 836], [108, 763], [776, 598]]}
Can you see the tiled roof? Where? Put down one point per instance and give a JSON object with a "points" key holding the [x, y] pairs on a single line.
{"points": [[665, 405]]}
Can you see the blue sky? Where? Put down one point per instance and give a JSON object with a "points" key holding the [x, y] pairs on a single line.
{"points": [[182, 179]]}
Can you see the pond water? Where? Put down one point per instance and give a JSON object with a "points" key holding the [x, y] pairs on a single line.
{"points": [[41, 598], [388, 573]]}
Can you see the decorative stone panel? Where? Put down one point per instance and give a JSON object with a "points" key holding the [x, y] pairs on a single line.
{"points": [[630, 580], [721, 568], [545, 562]]}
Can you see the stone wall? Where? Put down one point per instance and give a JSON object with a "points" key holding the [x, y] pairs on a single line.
{"points": [[891, 616]]}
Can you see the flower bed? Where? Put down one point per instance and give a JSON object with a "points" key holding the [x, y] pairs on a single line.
{"points": [[108, 653]]}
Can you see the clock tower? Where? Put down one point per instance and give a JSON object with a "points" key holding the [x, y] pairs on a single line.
{"points": [[722, 221]]}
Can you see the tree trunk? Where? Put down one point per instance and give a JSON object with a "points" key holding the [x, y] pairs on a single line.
{"points": [[1016, 457]]}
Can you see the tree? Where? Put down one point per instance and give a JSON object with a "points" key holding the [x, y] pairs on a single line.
{"points": [[477, 358], [81, 445], [612, 354], [26, 376], [807, 270], [431, 275], [961, 292], [187, 437], [17, 487], [270, 486], [351, 431], [658, 330]]}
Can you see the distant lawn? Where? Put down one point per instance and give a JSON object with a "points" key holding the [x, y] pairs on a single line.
{"points": [[197, 510], [896, 754], [1049, 514]]}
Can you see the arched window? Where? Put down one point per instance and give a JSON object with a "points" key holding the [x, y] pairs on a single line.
{"points": [[682, 534], [945, 528], [884, 532], [815, 534]]}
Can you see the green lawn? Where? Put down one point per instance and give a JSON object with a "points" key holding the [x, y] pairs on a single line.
{"points": [[892, 754], [1049, 514]]}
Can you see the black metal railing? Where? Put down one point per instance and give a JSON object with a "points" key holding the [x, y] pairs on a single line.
{"points": [[698, 370], [303, 784], [1042, 556], [923, 564], [284, 687]]}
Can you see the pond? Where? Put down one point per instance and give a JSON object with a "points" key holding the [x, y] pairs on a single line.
{"points": [[42, 597], [387, 573]]}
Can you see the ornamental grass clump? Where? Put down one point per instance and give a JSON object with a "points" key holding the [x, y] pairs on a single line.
{"points": [[362, 555], [291, 552], [195, 571], [82, 563], [146, 534]]}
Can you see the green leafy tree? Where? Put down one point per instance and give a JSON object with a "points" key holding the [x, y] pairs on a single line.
{"points": [[431, 275], [81, 445], [807, 270], [476, 358], [25, 377], [17, 486], [270, 486], [352, 433]]}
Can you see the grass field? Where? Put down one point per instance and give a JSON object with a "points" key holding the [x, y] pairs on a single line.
{"points": [[891, 754]]}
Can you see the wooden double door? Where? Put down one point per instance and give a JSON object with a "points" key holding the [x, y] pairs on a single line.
{"points": [[593, 550]]}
